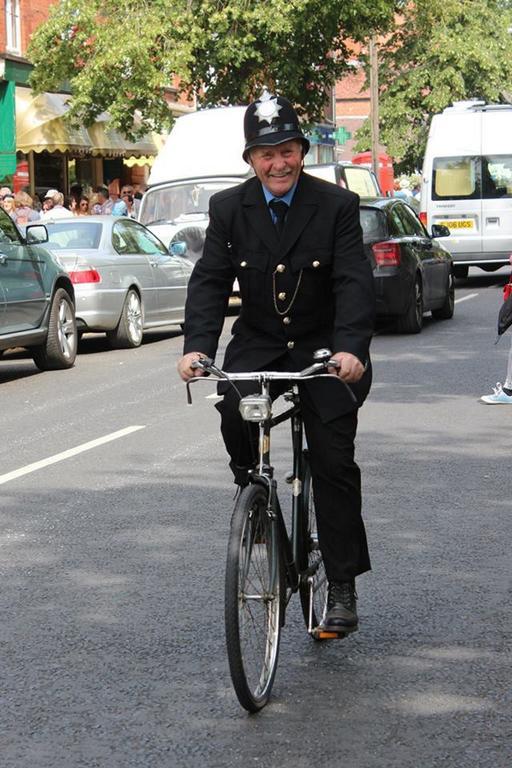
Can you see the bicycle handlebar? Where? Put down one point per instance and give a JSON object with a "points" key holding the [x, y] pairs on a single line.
{"points": [[313, 371]]}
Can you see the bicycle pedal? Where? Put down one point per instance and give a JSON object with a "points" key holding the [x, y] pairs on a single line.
{"points": [[324, 634]]}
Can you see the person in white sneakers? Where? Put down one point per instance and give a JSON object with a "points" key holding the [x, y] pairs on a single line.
{"points": [[502, 394]]}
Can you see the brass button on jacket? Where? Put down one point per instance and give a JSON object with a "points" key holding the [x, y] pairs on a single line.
{"points": [[281, 296], [243, 263], [290, 344], [316, 264], [280, 268], [287, 320]]}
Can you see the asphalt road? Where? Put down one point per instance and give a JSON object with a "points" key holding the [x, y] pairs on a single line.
{"points": [[112, 563]]}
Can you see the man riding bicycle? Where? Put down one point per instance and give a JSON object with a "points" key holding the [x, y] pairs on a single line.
{"points": [[294, 243]]}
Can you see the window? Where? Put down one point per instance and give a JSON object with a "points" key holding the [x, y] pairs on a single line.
{"points": [[71, 235], [361, 181], [8, 231], [396, 225], [175, 203], [496, 176], [456, 178], [12, 25], [373, 224], [412, 225], [130, 237]]}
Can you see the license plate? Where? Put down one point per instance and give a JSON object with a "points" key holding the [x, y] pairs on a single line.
{"points": [[460, 224]]}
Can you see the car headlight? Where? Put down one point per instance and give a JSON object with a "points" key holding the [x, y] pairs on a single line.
{"points": [[255, 407]]}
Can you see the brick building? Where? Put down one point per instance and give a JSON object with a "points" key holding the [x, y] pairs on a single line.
{"points": [[352, 101]]}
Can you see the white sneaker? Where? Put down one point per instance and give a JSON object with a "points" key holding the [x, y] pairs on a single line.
{"points": [[499, 397]]}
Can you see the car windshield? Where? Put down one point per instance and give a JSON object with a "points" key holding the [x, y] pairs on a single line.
{"points": [[177, 202], [373, 224], [361, 181], [71, 234]]}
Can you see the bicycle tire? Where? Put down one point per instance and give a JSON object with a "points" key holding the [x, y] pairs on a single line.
{"points": [[312, 558], [253, 598]]}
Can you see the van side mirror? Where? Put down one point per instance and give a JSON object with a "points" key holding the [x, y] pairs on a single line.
{"points": [[440, 230], [178, 249], [36, 234]]}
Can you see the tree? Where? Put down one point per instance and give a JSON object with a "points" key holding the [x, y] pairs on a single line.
{"points": [[440, 51], [120, 56]]}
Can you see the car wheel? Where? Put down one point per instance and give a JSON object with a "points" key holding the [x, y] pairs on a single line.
{"points": [[59, 350], [445, 312], [460, 270], [128, 333], [412, 320]]}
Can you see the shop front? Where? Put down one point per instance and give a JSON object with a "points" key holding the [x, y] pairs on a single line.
{"points": [[59, 156]]}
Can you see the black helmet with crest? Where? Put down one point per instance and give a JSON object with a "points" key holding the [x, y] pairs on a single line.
{"points": [[269, 121]]}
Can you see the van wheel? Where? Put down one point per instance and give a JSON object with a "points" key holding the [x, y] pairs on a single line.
{"points": [[445, 312], [412, 320], [128, 333], [461, 271]]}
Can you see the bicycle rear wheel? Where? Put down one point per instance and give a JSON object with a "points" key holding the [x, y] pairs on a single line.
{"points": [[313, 588], [253, 598]]}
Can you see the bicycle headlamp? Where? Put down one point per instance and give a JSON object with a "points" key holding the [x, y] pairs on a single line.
{"points": [[255, 408]]}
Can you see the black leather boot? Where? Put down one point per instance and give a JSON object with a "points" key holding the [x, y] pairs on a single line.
{"points": [[341, 613]]}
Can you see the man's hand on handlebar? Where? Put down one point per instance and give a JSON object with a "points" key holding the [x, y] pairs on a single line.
{"points": [[350, 368], [185, 366]]}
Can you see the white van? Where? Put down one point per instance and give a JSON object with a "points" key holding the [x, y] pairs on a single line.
{"points": [[467, 183], [202, 155]]}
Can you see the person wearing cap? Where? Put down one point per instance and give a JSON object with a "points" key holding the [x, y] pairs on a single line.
{"points": [[58, 209], [294, 243]]}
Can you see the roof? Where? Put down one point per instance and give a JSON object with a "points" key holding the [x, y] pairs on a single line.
{"points": [[206, 143]]}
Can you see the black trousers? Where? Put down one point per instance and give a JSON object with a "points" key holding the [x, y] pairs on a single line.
{"points": [[336, 477]]}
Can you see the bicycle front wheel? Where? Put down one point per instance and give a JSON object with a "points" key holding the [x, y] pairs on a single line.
{"points": [[314, 586], [253, 598]]}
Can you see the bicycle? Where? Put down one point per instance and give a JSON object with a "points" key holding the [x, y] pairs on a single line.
{"points": [[265, 564]]}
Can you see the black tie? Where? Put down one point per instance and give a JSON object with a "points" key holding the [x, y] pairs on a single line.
{"points": [[280, 209]]}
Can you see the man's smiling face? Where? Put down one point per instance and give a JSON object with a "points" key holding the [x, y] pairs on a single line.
{"points": [[278, 167]]}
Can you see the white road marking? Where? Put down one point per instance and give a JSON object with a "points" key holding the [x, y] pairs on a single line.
{"points": [[67, 454], [468, 296]]}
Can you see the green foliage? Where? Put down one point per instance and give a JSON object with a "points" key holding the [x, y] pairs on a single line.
{"points": [[442, 51], [120, 56]]}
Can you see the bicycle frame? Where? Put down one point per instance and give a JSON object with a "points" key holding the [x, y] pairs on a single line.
{"points": [[291, 543]]}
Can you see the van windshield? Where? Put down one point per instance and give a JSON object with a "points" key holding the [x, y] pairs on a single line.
{"points": [[176, 203], [456, 177]]}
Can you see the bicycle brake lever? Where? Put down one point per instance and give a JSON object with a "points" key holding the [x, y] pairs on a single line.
{"points": [[203, 363], [189, 393]]}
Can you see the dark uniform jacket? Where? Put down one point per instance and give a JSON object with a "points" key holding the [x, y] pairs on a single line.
{"points": [[311, 288]]}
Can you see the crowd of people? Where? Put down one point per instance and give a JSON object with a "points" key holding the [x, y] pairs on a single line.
{"points": [[24, 208]]}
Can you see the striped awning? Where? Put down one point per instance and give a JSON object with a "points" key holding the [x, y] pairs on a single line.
{"points": [[40, 126]]}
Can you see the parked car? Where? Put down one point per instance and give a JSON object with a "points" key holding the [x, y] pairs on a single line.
{"points": [[413, 272], [126, 281], [357, 178], [37, 300]]}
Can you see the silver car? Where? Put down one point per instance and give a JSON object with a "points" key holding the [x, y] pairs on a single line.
{"points": [[125, 279]]}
